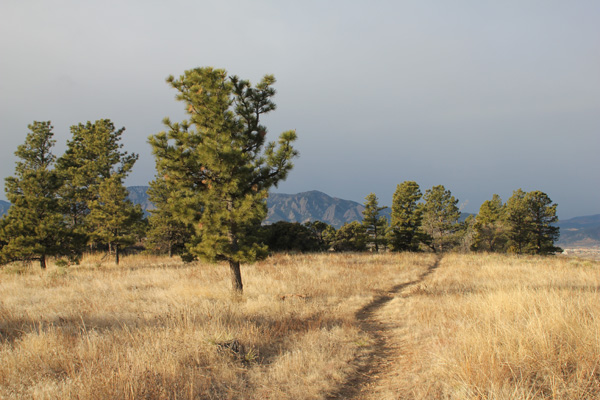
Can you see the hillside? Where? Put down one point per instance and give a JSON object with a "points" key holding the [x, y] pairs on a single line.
{"points": [[312, 206], [300, 207], [580, 232], [139, 195]]}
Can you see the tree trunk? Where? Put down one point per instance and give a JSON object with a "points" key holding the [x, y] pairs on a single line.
{"points": [[236, 276], [117, 254], [43, 261]]}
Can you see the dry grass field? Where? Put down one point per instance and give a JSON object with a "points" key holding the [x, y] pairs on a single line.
{"points": [[496, 327], [384, 326]]}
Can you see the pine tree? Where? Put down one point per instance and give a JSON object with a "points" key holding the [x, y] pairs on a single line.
{"points": [[518, 223], [405, 232], [490, 226], [93, 155], [324, 233], [166, 233], [440, 218], [113, 219], [351, 236], [34, 228], [542, 216], [530, 218], [217, 165], [375, 225]]}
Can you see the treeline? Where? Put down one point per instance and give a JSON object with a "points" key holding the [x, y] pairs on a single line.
{"points": [[431, 222], [63, 206], [214, 172]]}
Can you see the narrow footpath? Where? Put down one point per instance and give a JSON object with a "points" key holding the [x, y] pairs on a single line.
{"points": [[373, 364]]}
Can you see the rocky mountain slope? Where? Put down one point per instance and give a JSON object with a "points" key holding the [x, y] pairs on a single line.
{"points": [[312, 206]]}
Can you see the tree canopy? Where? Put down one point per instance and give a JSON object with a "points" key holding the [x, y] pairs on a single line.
{"points": [[218, 166], [405, 230], [34, 227], [375, 224], [440, 218]]}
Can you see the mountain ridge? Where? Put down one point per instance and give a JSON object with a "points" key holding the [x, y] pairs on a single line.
{"points": [[313, 205]]}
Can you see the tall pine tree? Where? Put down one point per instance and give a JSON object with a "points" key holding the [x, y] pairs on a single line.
{"points": [[34, 228], [93, 155], [531, 218], [405, 232], [217, 165], [440, 218], [375, 224], [517, 219], [490, 226], [542, 217]]}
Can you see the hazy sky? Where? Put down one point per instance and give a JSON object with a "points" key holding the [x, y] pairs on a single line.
{"points": [[483, 97]]}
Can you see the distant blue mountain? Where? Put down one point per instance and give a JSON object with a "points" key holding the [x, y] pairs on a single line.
{"points": [[315, 205], [580, 232]]}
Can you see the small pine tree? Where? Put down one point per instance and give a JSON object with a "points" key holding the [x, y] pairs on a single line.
{"points": [[375, 225], [114, 220], [351, 237], [34, 228], [324, 233], [166, 233]]}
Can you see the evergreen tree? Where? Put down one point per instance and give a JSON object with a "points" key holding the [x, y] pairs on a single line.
{"points": [[530, 218], [114, 220], [34, 228], [405, 233], [490, 226], [166, 234], [324, 233], [542, 214], [375, 225], [466, 234], [290, 236], [440, 218], [351, 237], [217, 166], [93, 155], [517, 219]]}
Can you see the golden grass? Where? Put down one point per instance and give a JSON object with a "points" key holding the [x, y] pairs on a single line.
{"points": [[478, 327], [156, 328], [497, 327]]}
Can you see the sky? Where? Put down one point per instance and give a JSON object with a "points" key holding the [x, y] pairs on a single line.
{"points": [[481, 97]]}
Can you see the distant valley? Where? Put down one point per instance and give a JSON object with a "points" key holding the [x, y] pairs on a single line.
{"points": [[315, 205]]}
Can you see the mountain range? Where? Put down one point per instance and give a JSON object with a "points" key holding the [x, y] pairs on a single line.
{"points": [[580, 232], [315, 205]]}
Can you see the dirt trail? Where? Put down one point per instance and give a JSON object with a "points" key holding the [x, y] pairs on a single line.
{"points": [[372, 364]]}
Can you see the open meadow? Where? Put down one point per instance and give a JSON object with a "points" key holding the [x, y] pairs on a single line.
{"points": [[323, 326]]}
